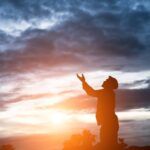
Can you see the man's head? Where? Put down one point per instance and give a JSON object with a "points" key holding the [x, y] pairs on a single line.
{"points": [[110, 83]]}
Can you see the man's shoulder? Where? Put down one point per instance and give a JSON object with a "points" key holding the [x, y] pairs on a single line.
{"points": [[100, 91]]}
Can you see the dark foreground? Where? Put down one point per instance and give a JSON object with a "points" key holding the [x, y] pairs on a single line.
{"points": [[121, 148], [83, 141], [86, 140], [139, 148], [96, 147]]}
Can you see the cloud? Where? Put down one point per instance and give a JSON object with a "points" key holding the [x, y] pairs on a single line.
{"points": [[144, 83], [77, 103], [36, 53], [130, 99], [125, 100], [95, 32], [11, 98]]}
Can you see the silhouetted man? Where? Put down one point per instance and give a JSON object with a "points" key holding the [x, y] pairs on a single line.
{"points": [[105, 114]]}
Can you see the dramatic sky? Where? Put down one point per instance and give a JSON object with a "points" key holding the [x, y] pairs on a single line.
{"points": [[44, 43]]}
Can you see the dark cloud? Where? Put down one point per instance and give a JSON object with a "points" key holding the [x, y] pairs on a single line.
{"points": [[26, 9], [107, 33], [5, 41], [38, 53], [130, 99], [96, 32]]}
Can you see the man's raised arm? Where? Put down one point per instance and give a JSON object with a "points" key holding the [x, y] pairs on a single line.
{"points": [[88, 89]]}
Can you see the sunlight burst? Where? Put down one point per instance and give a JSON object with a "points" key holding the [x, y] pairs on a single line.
{"points": [[58, 117]]}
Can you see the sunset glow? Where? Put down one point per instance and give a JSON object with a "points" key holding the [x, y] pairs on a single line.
{"points": [[45, 102]]}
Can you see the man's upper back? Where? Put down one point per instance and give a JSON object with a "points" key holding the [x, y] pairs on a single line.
{"points": [[106, 102]]}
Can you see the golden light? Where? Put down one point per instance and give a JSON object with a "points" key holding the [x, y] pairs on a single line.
{"points": [[58, 118]]}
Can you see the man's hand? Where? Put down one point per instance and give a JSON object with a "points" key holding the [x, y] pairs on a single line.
{"points": [[81, 78]]}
